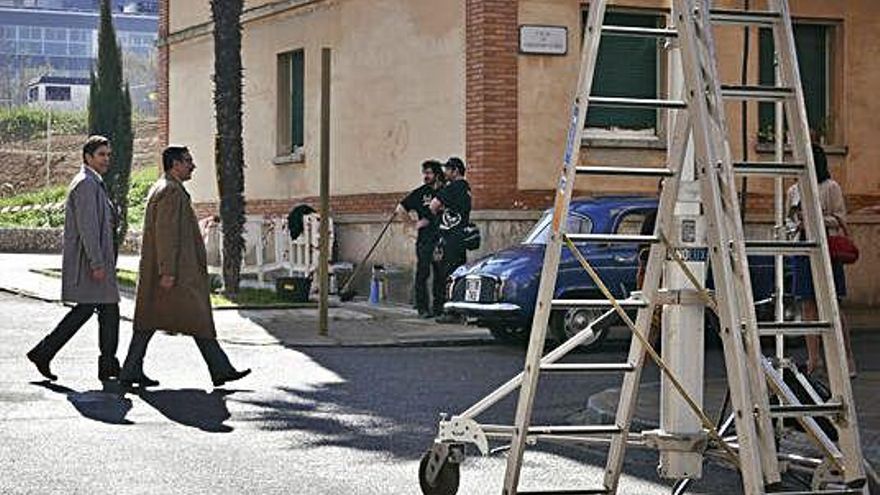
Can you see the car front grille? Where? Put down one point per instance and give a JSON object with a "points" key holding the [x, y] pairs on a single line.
{"points": [[488, 288]]}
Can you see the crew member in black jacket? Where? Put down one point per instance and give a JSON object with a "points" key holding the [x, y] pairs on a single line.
{"points": [[453, 205], [427, 223]]}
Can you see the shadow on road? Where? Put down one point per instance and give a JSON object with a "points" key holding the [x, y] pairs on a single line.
{"points": [[192, 407], [106, 405], [389, 400]]}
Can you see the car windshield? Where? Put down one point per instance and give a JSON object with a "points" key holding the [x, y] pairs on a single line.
{"points": [[577, 224]]}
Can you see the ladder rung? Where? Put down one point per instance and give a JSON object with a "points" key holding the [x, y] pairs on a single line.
{"points": [[757, 93], [844, 491], [780, 247], [724, 16], [788, 411], [574, 430], [631, 171], [607, 101], [613, 238], [793, 328], [639, 31], [768, 168], [554, 430], [586, 367], [596, 303], [595, 491]]}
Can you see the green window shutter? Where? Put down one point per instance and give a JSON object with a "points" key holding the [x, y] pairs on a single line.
{"points": [[626, 67], [813, 60], [766, 77], [812, 55], [297, 87]]}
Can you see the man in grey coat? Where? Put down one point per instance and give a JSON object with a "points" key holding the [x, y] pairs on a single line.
{"points": [[88, 267]]}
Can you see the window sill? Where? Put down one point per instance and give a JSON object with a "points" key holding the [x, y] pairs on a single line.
{"points": [[838, 150], [634, 142], [298, 157]]}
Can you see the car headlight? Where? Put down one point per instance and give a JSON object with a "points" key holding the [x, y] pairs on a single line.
{"points": [[499, 288]]}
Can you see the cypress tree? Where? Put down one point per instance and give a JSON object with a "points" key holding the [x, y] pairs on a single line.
{"points": [[110, 116]]}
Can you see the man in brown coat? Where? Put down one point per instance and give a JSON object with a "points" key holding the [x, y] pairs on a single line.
{"points": [[173, 292]]}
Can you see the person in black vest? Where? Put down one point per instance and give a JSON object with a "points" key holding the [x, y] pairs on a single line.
{"points": [[419, 201], [453, 206]]}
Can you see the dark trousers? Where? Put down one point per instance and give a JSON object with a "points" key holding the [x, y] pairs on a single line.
{"points": [[214, 356], [427, 268], [108, 325], [454, 255]]}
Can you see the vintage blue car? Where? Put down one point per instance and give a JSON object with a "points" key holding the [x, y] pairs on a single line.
{"points": [[499, 291]]}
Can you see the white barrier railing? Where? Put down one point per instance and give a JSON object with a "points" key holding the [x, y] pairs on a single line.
{"points": [[268, 246]]}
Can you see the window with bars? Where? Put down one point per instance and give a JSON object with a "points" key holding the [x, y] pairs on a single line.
{"points": [[627, 67], [57, 93], [813, 53], [291, 102]]}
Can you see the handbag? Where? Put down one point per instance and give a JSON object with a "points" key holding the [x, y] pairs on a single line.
{"points": [[842, 248], [471, 239]]}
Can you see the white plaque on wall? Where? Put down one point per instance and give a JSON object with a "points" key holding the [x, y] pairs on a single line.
{"points": [[543, 40]]}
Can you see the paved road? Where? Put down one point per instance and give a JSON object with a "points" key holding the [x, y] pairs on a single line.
{"points": [[313, 421]]}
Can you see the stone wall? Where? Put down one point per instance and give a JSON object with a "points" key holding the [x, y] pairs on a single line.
{"points": [[21, 240], [396, 251]]}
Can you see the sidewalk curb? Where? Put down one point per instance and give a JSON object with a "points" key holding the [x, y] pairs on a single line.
{"points": [[390, 343]]}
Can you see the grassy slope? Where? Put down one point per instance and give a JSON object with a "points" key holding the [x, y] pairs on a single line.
{"points": [[140, 185]]}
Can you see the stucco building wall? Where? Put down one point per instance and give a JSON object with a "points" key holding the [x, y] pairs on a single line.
{"points": [[414, 79]]}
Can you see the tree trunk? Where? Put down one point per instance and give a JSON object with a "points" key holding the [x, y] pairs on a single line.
{"points": [[229, 153]]}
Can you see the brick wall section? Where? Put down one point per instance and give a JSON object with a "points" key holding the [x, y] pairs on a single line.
{"points": [[491, 103], [361, 203], [357, 203], [162, 83]]}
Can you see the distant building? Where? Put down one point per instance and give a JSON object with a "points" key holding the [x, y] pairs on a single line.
{"points": [[59, 93], [60, 38]]}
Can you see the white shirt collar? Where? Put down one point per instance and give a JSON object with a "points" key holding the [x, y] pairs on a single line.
{"points": [[94, 172]]}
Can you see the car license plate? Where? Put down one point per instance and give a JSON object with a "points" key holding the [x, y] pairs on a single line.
{"points": [[472, 290]]}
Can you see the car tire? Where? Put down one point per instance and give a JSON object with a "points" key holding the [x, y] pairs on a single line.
{"points": [[509, 335], [565, 324]]}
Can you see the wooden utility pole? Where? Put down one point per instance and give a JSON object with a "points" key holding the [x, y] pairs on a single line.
{"points": [[324, 258]]}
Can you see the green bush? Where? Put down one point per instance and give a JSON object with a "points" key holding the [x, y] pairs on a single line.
{"points": [[54, 218], [24, 123], [140, 185], [141, 181]]}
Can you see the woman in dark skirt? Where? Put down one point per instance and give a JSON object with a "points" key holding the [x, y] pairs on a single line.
{"points": [[834, 213]]}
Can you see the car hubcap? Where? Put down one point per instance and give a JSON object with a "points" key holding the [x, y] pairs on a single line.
{"points": [[577, 320]]}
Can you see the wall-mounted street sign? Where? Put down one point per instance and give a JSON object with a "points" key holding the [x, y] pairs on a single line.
{"points": [[543, 40]]}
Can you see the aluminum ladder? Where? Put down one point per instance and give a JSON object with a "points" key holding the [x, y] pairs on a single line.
{"points": [[700, 117]]}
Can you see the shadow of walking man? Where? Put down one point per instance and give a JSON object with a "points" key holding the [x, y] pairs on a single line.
{"points": [[105, 405], [192, 407]]}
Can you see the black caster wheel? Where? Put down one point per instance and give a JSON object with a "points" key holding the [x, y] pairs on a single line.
{"points": [[447, 479]]}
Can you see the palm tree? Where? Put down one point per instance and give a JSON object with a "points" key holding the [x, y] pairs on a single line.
{"points": [[228, 148]]}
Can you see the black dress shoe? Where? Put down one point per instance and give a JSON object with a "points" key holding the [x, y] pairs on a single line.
{"points": [[142, 381], [235, 375], [42, 364], [425, 314], [108, 368]]}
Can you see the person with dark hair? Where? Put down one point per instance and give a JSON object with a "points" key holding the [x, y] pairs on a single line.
{"points": [[173, 291], [453, 206], [88, 265], [834, 215], [419, 202]]}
